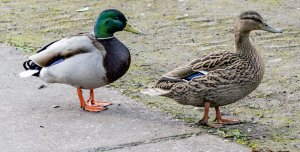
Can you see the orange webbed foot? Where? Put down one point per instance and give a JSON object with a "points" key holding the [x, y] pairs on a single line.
{"points": [[227, 121], [92, 105], [205, 123], [94, 108], [224, 121], [93, 102], [98, 103]]}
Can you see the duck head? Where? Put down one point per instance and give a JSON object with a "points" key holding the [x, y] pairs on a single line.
{"points": [[111, 21], [251, 20]]}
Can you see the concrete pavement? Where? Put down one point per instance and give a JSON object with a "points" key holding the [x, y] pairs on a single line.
{"points": [[50, 119]]}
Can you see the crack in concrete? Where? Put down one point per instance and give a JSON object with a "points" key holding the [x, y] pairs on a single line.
{"points": [[143, 142]]}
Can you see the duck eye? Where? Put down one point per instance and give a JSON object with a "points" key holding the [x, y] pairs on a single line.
{"points": [[254, 19]]}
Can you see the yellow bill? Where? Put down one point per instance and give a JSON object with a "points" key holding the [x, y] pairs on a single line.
{"points": [[130, 28]]}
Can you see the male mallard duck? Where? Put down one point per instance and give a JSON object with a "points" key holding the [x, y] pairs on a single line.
{"points": [[85, 61], [218, 79]]}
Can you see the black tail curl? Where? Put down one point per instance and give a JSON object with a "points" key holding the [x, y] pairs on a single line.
{"points": [[29, 65]]}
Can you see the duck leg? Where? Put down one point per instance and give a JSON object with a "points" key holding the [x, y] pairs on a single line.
{"points": [[84, 106], [204, 120], [92, 101], [221, 120]]}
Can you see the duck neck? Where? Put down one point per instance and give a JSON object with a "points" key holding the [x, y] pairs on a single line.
{"points": [[101, 32], [243, 45], [246, 51]]}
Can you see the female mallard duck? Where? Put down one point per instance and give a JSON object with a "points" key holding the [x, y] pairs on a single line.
{"points": [[85, 61], [218, 79]]}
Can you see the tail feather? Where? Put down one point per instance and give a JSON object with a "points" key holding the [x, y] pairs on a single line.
{"points": [[31, 68], [155, 92], [28, 73]]}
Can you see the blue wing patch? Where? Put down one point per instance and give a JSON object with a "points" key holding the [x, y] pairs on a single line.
{"points": [[196, 74]]}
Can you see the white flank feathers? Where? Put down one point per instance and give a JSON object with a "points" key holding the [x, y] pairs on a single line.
{"points": [[28, 73], [203, 72]]}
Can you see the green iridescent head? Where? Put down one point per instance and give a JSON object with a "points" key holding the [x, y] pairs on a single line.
{"points": [[111, 21]]}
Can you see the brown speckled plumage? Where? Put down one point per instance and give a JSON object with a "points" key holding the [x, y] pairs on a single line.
{"points": [[231, 75]]}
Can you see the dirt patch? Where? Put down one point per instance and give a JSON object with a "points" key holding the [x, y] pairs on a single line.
{"points": [[177, 32]]}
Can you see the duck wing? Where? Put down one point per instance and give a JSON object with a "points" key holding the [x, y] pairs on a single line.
{"points": [[200, 67], [214, 61], [62, 49], [195, 69]]}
